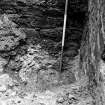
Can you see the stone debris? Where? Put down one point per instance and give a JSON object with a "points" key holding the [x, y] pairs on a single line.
{"points": [[10, 35], [14, 93], [65, 95], [34, 60]]}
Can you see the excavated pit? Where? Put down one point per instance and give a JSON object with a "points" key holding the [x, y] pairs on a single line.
{"points": [[30, 53]]}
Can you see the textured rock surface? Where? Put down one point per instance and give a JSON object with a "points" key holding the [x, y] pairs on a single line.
{"points": [[9, 36], [94, 46]]}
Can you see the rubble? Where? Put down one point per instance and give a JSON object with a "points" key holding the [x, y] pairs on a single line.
{"points": [[10, 35]]}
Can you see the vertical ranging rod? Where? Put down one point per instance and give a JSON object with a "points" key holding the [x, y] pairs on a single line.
{"points": [[63, 36]]}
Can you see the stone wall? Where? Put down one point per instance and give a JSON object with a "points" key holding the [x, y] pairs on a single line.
{"points": [[91, 50]]}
